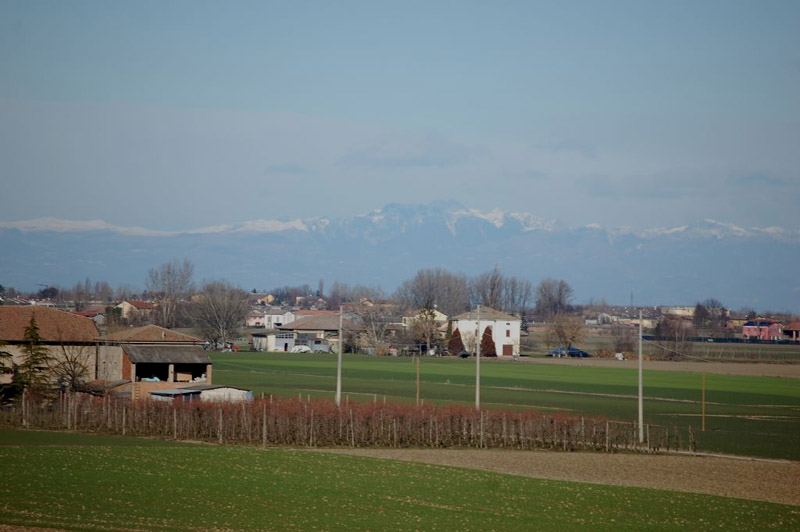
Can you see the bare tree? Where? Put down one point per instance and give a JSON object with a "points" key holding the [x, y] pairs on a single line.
{"points": [[219, 311], [374, 323], [552, 297], [71, 367], [424, 327], [488, 289], [674, 337], [567, 329], [168, 284], [624, 337], [434, 288], [6, 360]]}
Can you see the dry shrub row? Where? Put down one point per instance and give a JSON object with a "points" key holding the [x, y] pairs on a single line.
{"points": [[320, 423]]}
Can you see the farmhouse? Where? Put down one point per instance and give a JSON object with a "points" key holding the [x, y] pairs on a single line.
{"points": [[133, 308], [68, 338], [319, 331], [793, 331], [276, 318], [503, 328], [762, 329], [152, 358], [437, 317]]}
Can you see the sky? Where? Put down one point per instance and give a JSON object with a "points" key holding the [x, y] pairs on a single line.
{"points": [[183, 114]]}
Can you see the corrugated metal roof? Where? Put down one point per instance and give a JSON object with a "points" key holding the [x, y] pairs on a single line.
{"points": [[166, 354]]}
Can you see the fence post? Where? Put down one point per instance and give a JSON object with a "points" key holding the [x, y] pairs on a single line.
{"points": [[481, 429], [123, 420], [352, 430], [219, 431], [264, 423], [608, 436], [174, 423]]}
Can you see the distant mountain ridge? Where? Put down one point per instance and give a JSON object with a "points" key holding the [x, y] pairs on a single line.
{"points": [[677, 265]]}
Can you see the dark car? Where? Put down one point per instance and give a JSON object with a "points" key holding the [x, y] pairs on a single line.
{"points": [[464, 354], [573, 352]]}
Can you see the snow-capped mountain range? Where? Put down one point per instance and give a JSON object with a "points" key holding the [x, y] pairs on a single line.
{"points": [[675, 265]]}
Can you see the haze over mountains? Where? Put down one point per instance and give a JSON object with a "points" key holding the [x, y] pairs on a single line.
{"points": [[753, 267]]}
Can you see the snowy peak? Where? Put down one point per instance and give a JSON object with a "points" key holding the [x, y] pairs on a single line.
{"points": [[395, 219]]}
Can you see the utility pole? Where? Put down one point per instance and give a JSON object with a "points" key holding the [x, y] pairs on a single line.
{"points": [[478, 362], [417, 357], [339, 362], [704, 402], [641, 402]]}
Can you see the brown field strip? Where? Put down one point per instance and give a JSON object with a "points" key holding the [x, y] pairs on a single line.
{"points": [[720, 368], [758, 480]]}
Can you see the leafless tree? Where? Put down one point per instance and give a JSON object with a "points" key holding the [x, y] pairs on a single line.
{"points": [[488, 289], [374, 324], [674, 337], [341, 293], [424, 327], [552, 297], [434, 288], [567, 329], [219, 311], [6, 360], [71, 366], [168, 284], [495, 290], [624, 337]]}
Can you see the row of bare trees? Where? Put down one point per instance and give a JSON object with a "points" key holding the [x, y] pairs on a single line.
{"points": [[453, 293], [321, 423]]}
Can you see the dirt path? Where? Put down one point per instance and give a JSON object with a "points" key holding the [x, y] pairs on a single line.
{"points": [[772, 481], [721, 368]]}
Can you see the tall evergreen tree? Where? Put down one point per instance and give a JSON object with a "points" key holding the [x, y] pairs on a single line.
{"points": [[487, 343], [455, 345], [33, 371]]}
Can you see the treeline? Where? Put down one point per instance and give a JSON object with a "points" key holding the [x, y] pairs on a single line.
{"points": [[449, 292]]}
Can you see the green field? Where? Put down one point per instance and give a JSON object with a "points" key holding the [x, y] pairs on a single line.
{"points": [[85, 482], [757, 416]]}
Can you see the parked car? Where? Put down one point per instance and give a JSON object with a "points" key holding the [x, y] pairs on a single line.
{"points": [[562, 351], [300, 349], [464, 354]]}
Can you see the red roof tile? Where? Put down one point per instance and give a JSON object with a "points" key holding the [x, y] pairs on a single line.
{"points": [[54, 325], [150, 334]]}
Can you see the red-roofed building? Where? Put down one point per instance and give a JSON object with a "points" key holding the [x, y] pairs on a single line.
{"points": [[133, 308], [762, 329], [69, 338]]}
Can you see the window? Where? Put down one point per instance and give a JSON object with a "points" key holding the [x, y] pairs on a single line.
{"points": [[508, 333]]}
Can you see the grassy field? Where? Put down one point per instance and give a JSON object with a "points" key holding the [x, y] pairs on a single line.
{"points": [[81, 482], [758, 416]]}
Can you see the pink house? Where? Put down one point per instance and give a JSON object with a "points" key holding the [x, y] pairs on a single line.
{"points": [[762, 329]]}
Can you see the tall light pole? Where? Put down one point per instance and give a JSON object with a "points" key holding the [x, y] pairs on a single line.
{"points": [[641, 402], [339, 362], [478, 362]]}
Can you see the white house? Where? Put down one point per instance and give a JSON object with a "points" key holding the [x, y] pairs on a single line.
{"points": [[438, 317], [276, 318], [505, 330]]}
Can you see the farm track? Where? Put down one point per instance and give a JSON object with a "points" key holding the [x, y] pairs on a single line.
{"points": [[771, 481]]}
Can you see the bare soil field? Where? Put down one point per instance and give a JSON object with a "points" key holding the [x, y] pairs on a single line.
{"points": [[721, 368], [758, 480]]}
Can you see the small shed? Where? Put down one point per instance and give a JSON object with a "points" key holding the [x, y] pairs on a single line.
{"points": [[204, 392]]}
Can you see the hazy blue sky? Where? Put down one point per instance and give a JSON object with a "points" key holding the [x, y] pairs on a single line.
{"points": [[173, 115]]}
